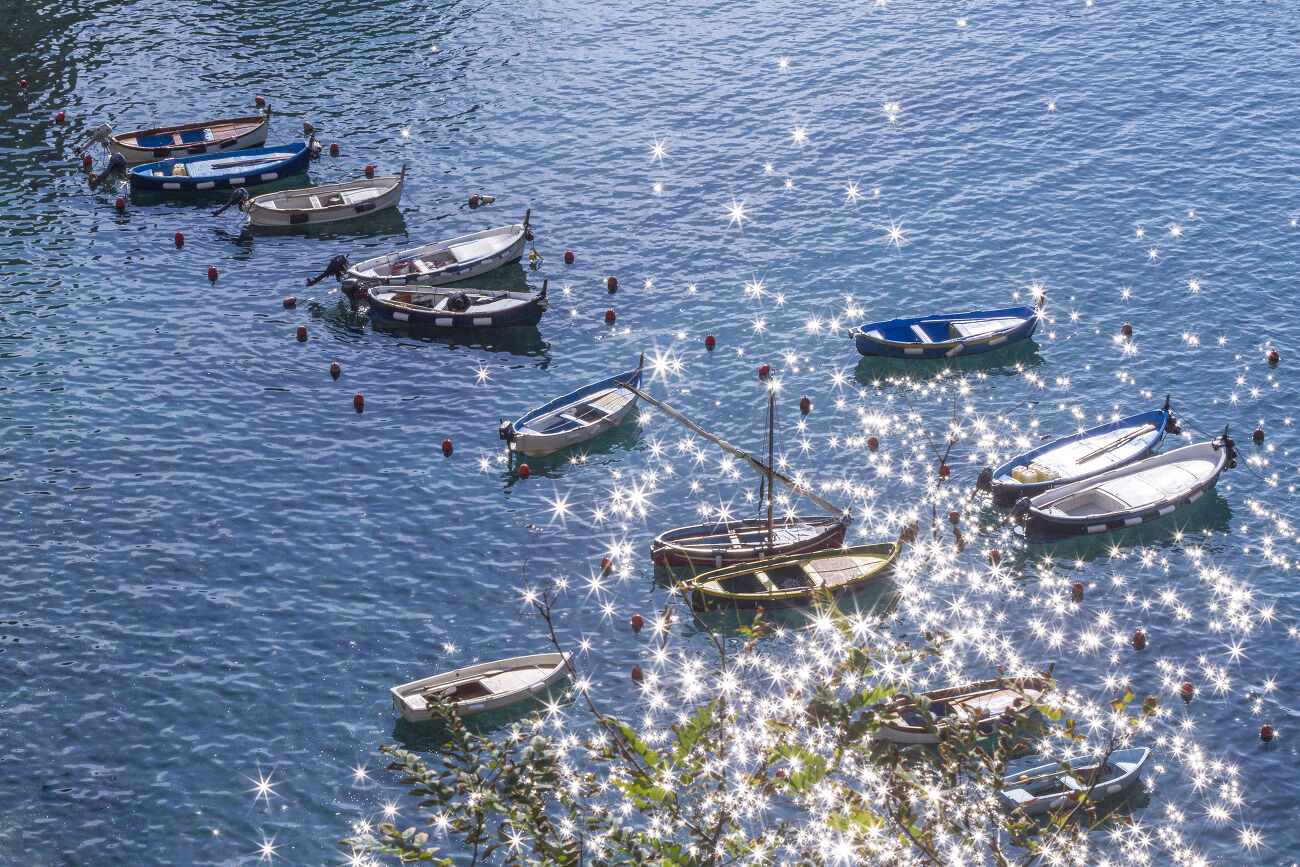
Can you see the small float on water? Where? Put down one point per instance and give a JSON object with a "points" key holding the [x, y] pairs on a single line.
{"points": [[1129, 495], [328, 203], [984, 705], [226, 171], [785, 582], [1077, 457], [948, 335], [447, 261], [184, 139], [1050, 787], [483, 687], [576, 417]]}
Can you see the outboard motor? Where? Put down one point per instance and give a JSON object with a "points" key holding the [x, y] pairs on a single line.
{"points": [[353, 290], [985, 480], [116, 164], [506, 431], [1020, 511], [1171, 423], [338, 267], [528, 231], [1226, 442], [239, 198], [99, 136], [314, 147]]}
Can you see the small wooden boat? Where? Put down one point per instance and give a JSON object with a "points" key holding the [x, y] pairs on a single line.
{"points": [[185, 139], [1128, 496], [324, 204], [1079, 456], [574, 418], [1050, 787], [226, 171], [792, 581], [483, 687], [948, 335], [983, 705], [447, 261], [444, 308], [725, 543]]}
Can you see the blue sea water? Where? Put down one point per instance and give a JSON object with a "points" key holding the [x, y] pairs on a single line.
{"points": [[213, 568]]}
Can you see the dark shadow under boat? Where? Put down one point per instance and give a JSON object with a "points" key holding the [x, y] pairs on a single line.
{"points": [[1210, 513], [430, 736]]}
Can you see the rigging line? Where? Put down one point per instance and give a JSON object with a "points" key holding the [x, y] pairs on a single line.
{"points": [[753, 462]]}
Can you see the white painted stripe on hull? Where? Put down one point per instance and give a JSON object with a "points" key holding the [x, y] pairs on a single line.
{"points": [[205, 185], [482, 320], [171, 186], [443, 322], [401, 317], [1096, 528]]}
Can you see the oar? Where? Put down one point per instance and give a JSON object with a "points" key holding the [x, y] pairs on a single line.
{"points": [[1116, 444], [230, 165]]}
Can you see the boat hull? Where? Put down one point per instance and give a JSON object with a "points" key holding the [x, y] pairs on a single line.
{"points": [[507, 249], [191, 139], [574, 418], [1097, 505], [508, 682], [867, 564], [1006, 489], [261, 213], [991, 699], [250, 168], [901, 338], [704, 544], [527, 312]]}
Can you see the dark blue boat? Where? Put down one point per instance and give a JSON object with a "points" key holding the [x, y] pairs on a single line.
{"points": [[1079, 456], [947, 335], [234, 169], [449, 307]]}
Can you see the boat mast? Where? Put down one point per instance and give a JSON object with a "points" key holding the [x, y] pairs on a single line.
{"points": [[771, 428]]}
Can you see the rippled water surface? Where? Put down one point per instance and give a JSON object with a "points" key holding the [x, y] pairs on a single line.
{"points": [[213, 568]]}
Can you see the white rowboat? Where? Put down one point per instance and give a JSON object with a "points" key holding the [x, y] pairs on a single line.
{"points": [[984, 705], [325, 204], [1050, 787], [447, 261], [576, 417], [483, 687], [186, 139]]}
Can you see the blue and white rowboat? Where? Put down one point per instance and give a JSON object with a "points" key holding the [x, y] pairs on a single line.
{"points": [[226, 171], [1127, 496], [948, 335], [447, 261], [1050, 787], [1077, 457], [574, 418]]}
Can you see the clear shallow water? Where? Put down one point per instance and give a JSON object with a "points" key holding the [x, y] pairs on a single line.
{"points": [[214, 568]]}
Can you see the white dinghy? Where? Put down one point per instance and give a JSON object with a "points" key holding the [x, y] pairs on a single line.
{"points": [[1051, 787], [576, 417], [324, 204], [483, 687], [447, 261], [1127, 496]]}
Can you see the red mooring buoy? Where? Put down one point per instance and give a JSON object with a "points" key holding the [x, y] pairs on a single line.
{"points": [[334, 148], [1126, 330], [954, 517], [1258, 435], [446, 446], [370, 170], [609, 315], [944, 472], [805, 405], [1076, 590], [611, 283], [710, 341], [606, 564], [335, 370], [764, 370], [995, 556], [58, 118], [120, 204], [259, 100], [358, 401], [212, 273], [568, 257], [307, 128], [474, 200], [1266, 733], [873, 443], [87, 161], [1139, 640], [638, 676], [22, 82], [179, 238], [1273, 357], [302, 332], [524, 471], [1187, 690], [638, 623], [290, 303]]}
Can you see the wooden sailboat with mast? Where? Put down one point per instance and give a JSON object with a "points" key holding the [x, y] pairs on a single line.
{"points": [[726, 543]]}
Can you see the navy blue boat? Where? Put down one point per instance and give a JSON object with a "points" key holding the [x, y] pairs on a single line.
{"points": [[947, 335], [1080, 456], [449, 307], [234, 169]]}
